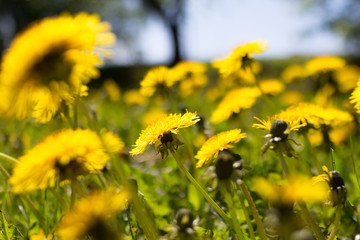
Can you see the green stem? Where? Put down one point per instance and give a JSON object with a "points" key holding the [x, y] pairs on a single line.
{"points": [[353, 161], [142, 215], [8, 158], [34, 209], [336, 222], [259, 224], [60, 198], [305, 211], [283, 163], [309, 219], [199, 188], [247, 217], [224, 187], [313, 154]]}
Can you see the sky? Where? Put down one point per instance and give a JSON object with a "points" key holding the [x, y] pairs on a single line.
{"points": [[213, 27]]}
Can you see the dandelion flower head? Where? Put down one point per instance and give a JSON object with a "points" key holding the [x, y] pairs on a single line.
{"points": [[216, 144], [297, 188], [355, 97], [234, 101], [90, 216], [134, 97], [323, 64], [240, 57], [47, 64], [293, 73], [158, 79], [271, 86], [156, 130], [64, 155]]}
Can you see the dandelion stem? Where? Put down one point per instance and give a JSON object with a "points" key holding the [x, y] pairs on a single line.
{"points": [[247, 217], [60, 198], [336, 222], [309, 219], [313, 154], [283, 163], [353, 161], [305, 211], [8, 158], [259, 224], [199, 188], [35, 211], [224, 187], [142, 216]]}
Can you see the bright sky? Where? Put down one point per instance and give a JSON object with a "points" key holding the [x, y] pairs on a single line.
{"points": [[213, 27]]}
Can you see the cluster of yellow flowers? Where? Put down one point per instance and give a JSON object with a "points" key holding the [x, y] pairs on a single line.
{"points": [[49, 80]]}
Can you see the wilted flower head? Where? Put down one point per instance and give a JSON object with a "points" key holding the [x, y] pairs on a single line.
{"points": [[279, 129], [90, 216], [161, 133], [62, 156], [337, 192], [216, 144], [48, 63]]}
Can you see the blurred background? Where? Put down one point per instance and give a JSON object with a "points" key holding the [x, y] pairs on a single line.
{"points": [[152, 32]]}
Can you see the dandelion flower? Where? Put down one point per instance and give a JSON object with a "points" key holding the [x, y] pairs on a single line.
{"points": [[347, 77], [271, 86], [64, 155], [134, 97], [112, 90], [297, 188], [216, 144], [293, 73], [111, 141], [158, 79], [48, 63], [240, 57], [160, 133], [234, 101], [90, 216], [40, 236], [323, 64], [355, 97]]}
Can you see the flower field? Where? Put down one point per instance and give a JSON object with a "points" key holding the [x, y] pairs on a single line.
{"points": [[215, 150]]}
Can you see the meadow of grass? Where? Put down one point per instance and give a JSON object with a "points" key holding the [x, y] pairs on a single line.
{"points": [[197, 151]]}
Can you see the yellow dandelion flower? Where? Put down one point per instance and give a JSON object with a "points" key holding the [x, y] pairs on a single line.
{"points": [[192, 75], [234, 101], [112, 90], [297, 188], [64, 155], [240, 57], [91, 216], [355, 97], [158, 79], [292, 97], [134, 97], [271, 86], [347, 77], [156, 132], [316, 115], [111, 141], [153, 116], [40, 236], [323, 64], [293, 73], [47, 64], [217, 143], [213, 93]]}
